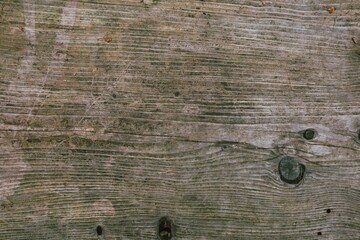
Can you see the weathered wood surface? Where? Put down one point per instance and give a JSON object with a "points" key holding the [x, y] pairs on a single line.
{"points": [[116, 113]]}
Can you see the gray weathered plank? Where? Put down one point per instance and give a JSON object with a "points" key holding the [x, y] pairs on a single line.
{"points": [[117, 113]]}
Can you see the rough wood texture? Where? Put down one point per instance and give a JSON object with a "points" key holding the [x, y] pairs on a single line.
{"points": [[115, 113]]}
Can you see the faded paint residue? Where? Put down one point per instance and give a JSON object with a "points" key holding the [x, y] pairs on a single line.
{"points": [[29, 56], [319, 150], [59, 53], [104, 206], [289, 150], [12, 168], [109, 164], [147, 2]]}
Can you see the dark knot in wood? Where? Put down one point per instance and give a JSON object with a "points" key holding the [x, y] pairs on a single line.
{"points": [[165, 229], [309, 134], [290, 170]]}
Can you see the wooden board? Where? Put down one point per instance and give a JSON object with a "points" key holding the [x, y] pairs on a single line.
{"points": [[116, 113]]}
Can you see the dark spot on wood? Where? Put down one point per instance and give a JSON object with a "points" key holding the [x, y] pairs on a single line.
{"points": [[99, 230], [59, 139], [177, 93], [114, 95], [165, 229], [225, 147], [319, 233], [7, 204], [290, 170], [65, 122], [33, 140], [328, 210], [309, 134]]}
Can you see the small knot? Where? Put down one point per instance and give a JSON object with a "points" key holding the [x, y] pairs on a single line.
{"points": [[309, 134]]}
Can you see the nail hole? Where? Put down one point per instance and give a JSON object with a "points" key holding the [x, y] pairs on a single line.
{"points": [[328, 210], [107, 38], [114, 95], [290, 170], [331, 9], [165, 232], [309, 134], [319, 233], [99, 230], [177, 93]]}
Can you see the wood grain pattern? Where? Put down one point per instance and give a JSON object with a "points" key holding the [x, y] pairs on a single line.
{"points": [[117, 113]]}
